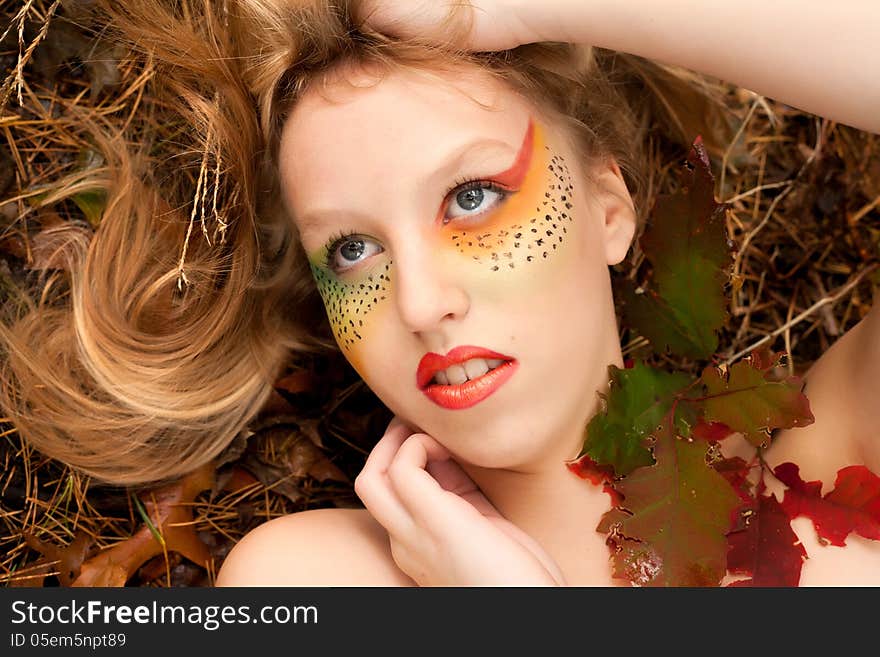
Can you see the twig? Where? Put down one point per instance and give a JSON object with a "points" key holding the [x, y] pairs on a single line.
{"points": [[853, 220], [16, 79], [733, 141], [748, 238], [809, 311]]}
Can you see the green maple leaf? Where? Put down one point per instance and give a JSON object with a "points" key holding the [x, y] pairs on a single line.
{"points": [[680, 512], [683, 303], [638, 398], [749, 399]]}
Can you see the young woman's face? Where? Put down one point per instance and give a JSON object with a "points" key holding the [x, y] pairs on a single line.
{"points": [[447, 238]]}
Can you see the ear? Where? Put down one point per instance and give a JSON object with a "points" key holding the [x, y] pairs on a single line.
{"points": [[620, 214]]}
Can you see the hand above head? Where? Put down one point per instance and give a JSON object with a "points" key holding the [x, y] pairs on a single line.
{"points": [[494, 24], [443, 530], [825, 62]]}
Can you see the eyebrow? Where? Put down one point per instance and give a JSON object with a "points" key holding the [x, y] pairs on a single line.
{"points": [[511, 177]]}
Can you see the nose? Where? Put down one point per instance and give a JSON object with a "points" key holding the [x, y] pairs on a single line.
{"points": [[429, 294]]}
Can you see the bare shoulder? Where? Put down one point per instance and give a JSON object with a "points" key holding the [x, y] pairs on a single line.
{"points": [[320, 547], [842, 394], [841, 387]]}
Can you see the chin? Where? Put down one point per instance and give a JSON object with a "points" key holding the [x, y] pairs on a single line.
{"points": [[507, 443]]}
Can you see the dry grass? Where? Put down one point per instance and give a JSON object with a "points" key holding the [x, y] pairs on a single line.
{"points": [[804, 194]]}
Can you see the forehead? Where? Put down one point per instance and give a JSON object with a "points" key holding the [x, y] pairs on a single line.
{"points": [[406, 124], [402, 97]]}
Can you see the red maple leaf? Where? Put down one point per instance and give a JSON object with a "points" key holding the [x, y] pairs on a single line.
{"points": [[736, 471], [586, 468], [853, 505], [766, 548], [680, 510], [711, 431]]}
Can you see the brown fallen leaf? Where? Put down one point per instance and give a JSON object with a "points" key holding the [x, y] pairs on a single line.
{"points": [[232, 479], [42, 249], [183, 573], [32, 576], [274, 407], [304, 458], [299, 381], [284, 456], [66, 559], [169, 511]]}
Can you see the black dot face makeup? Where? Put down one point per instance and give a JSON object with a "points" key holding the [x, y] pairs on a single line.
{"points": [[350, 303], [527, 228], [532, 223]]}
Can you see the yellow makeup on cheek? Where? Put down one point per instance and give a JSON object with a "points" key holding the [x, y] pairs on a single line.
{"points": [[531, 224], [351, 304]]}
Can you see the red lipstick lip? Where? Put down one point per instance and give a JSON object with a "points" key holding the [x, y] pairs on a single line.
{"points": [[432, 363], [471, 392]]}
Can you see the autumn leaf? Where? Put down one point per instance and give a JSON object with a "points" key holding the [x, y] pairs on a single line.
{"points": [[852, 506], [637, 562], [299, 381], [638, 398], [169, 509], [305, 459], [682, 510], [736, 471], [748, 399], [682, 304], [711, 431], [766, 547], [65, 560], [283, 457], [586, 468]]}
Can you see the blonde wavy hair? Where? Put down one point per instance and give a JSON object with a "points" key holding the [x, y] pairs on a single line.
{"points": [[155, 361]]}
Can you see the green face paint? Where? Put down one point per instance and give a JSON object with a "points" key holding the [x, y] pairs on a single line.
{"points": [[349, 303]]}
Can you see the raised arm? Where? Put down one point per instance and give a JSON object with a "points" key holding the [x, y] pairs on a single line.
{"points": [[821, 57]]}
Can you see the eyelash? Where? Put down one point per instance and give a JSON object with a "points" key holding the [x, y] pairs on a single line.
{"points": [[460, 185], [334, 243]]}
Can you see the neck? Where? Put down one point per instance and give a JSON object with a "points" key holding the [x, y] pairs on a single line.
{"points": [[559, 510], [556, 507]]}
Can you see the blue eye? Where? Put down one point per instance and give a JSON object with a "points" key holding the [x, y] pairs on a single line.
{"points": [[348, 250], [474, 198], [465, 199]]}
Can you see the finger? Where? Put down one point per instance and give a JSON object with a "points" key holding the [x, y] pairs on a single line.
{"points": [[384, 450], [448, 23], [373, 487], [422, 495], [467, 489], [399, 20], [398, 421], [451, 476]]}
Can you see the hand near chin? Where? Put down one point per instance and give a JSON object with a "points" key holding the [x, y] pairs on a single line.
{"points": [[481, 25], [443, 530]]}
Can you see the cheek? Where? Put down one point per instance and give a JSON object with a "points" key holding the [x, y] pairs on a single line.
{"points": [[354, 307], [528, 232]]}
